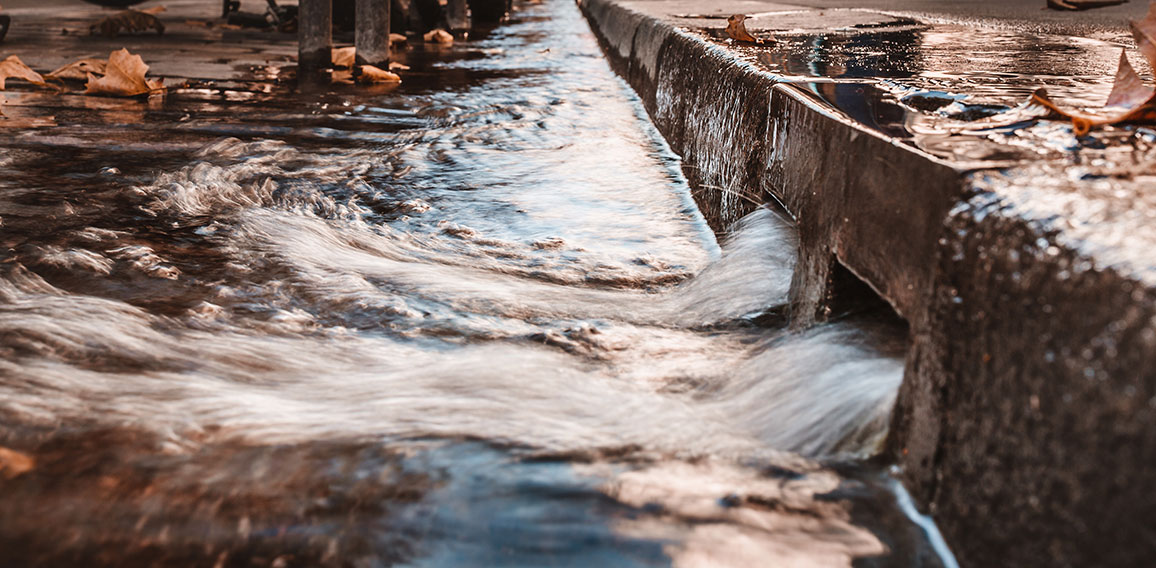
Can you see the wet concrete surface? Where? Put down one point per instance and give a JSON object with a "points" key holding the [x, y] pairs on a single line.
{"points": [[1019, 253]]}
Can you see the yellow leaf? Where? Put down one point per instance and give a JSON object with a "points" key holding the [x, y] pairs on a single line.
{"points": [[79, 70], [125, 77], [13, 68], [371, 74], [737, 29], [438, 36], [343, 57], [14, 463]]}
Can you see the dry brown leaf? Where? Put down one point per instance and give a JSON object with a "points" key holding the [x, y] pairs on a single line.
{"points": [[395, 66], [371, 74], [124, 77], [438, 36], [130, 21], [13, 68], [79, 70], [737, 29], [1130, 100], [343, 57], [154, 10], [398, 38], [14, 463]]}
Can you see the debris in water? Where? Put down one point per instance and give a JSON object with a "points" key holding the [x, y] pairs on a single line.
{"points": [[397, 38], [14, 68], [438, 36], [371, 74], [125, 77], [1131, 100], [737, 29], [13, 463], [131, 21], [343, 57]]}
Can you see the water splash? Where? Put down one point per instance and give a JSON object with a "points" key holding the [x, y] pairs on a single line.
{"points": [[480, 322]]}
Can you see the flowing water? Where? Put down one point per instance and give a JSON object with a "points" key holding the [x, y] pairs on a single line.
{"points": [[476, 320]]}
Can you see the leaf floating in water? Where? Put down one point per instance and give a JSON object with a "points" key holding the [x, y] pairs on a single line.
{"points": [[125, 77], [1131, 100], [131, 21], [737, 29], [438, 36], [14, 68], [13, 463], [343, 57], [80, 70], [371, 74]]}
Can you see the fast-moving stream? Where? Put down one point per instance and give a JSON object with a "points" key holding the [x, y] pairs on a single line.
{"points": [[475, 321]]}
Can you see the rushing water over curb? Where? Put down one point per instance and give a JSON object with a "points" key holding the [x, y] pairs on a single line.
{"points": [[471, 322]]}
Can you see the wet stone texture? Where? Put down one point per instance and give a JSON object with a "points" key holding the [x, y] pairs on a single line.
{"points": [[1019, 255]]}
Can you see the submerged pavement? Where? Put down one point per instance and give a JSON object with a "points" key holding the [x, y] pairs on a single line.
{"points": [[1019, 254]]}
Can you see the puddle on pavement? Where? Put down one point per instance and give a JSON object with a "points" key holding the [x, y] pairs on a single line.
{"points": [[940, 87], [475, 319]]}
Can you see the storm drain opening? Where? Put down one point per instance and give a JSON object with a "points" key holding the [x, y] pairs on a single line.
{"points": [[851, 300]]}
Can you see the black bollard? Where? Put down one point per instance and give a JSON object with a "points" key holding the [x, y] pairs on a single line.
{"points": [[458, 15], [488, 11], [314, 36], [372, 38]]}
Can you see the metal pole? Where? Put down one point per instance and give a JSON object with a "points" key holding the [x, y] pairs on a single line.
{"points": [[372, 37], [314, 34]]}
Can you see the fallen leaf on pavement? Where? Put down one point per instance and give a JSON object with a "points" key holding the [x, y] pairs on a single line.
{"points": [[371, 74], [13, 68], [737, 29], [124, 77], [14, 463], [438, 36], [1130, 100], [343, 57], [130, 21], [79, 70]]}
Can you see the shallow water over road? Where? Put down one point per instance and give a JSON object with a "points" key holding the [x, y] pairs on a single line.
{"points": [[473, 321]]}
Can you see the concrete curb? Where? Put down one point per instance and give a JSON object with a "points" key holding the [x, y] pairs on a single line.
{"points": [[1022, 457]]}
